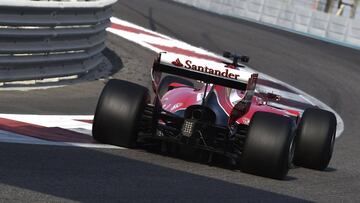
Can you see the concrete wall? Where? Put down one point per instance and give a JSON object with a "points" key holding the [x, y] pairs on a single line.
{"points": [[288, 16]]}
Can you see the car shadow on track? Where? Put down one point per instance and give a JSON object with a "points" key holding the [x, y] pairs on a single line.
{"points": [[192, 155], [43, 173]]}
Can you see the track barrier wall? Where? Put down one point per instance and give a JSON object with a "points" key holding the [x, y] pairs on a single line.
{"points": [[290, 17], [47, 39]]}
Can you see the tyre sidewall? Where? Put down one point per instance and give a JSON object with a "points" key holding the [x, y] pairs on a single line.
{"points": [[118, 113], [267, 146], [315, 139]]}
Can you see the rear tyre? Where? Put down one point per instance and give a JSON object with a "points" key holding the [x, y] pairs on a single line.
{"points": [[167, 80], [118, 113], [268, 149], [315, 139]]}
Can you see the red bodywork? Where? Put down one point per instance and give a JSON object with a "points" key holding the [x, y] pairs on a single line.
{"points": [[238, 98], [181, 97]]}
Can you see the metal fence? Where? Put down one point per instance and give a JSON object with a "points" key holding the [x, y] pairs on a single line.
{"points": [[47, 39], [336, 29]]}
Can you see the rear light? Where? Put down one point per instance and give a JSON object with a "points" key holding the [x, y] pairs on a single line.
{"points": [[188, 128]]}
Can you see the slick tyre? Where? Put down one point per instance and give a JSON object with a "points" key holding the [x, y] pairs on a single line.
{"points": [[119, 112], [167, 80], [315, 139], [268, 149]]}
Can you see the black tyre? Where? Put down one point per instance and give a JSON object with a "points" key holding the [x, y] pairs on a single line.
{"points": [[315, 139], [167, 80], [268, 149], [119, 112]]}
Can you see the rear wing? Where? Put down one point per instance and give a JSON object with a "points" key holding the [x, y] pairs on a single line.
{"points": [[203, 70]]}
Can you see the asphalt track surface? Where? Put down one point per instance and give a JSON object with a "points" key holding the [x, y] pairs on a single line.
{"points": [[329, 72]]}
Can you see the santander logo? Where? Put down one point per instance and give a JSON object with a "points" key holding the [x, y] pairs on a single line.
{"points": [[177, 63], [227, 73]]}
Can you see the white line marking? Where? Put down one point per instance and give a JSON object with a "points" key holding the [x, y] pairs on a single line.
{"points": [[306, 99], [10, 137], [61, 121]]}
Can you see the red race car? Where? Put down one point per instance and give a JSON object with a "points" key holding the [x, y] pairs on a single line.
{"points": [[213, 106]]}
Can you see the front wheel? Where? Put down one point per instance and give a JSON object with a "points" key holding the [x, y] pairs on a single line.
{"points": [[118, 113], [268, 148], [315, 139]]}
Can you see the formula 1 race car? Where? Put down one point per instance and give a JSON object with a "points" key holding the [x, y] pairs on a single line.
{"points": [[213, 106]]}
